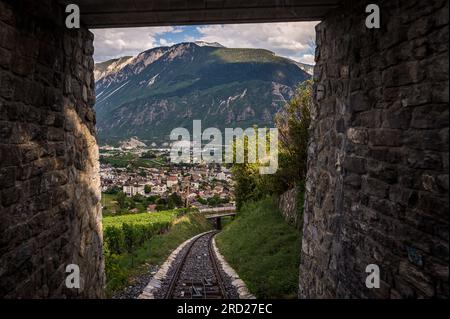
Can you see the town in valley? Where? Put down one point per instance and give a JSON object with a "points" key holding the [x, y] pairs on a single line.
{"points": [[137, 178]]}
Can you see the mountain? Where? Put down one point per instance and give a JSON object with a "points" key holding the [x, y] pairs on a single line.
{"points": [[148, 95], [103, 69], [308, 68], [132, 143]]}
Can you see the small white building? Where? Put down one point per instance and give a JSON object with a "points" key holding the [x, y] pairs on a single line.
{"points": [[131, 190], [159, 189], [221, 176], [195, 185], [171, 180]]}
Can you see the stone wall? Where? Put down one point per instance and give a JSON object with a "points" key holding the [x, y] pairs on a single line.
{"points": [[287, 203], [49, 185], [377, 185]]}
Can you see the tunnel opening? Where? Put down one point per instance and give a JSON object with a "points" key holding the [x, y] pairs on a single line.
{"points": [[206, 80]]}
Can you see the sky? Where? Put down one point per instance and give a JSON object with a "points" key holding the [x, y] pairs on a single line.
{"points": [[294, 40]]}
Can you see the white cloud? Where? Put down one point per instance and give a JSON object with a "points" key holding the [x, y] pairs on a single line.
{"points": [[112, 43], [163, 42], [177, 30], [307, 58], [289, 39]]}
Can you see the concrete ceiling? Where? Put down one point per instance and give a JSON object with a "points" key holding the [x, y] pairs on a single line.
{"points": [[134, 13]]}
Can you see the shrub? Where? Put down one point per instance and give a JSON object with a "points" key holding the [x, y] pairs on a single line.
{"points": [[293, 125], [114, 239], [126, 232]]}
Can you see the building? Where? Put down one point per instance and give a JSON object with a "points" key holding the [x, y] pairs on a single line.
{"points": [[221, 176], [159, 189], [131, 190], [171, 180]]}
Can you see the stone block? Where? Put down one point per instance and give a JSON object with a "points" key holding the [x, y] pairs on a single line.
{"points": [[435, 140], [5, 58], [8, 177], [403, 74], [359, 102], [385, 137], [355, 164], [7, 36], [357, 135], [374, 187], [430, 116], [287, 204], [369, 119], [10, 196], [397, 118], [6, 129], [6, 14], [416, 278], [384, 172], [7, 85], [353, 180]]}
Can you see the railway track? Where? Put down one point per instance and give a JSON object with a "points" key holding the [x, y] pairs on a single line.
{"points": [[197, 276]]}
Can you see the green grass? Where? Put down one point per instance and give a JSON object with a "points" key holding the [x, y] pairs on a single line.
{"points": [[140, 219], [111, 206], [126, 233], [226, 220], [263, 249], [125, 159], [232, 55], [109, 203], [182, 229], [122, 269]]}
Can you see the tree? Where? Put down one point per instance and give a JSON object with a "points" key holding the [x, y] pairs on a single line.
{"points": [[293, 130], [244, 176], [121, 199], [160, 207], [152, 199], [113, 190], [214, 201], [148, 154], [147, 189], [174, 200], [293, 126], [142, 173], [161, 201], [138, 198]]}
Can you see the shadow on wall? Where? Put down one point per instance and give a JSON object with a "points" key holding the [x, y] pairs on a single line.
{"points": [[50, 213]]}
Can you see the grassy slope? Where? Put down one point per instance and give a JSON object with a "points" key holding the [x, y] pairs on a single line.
{"points": [[111, 207], [141, 218], [154, 252], [236, 55], [263, 249], [109, 202]]}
